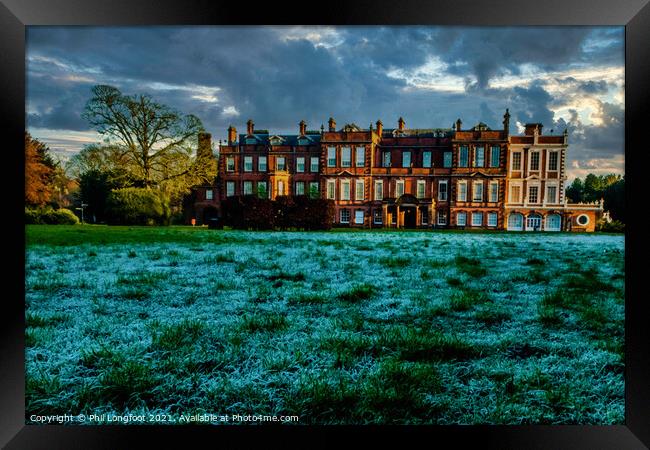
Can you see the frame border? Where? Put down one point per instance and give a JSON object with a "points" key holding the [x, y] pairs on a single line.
{"points": [[15, 15]]}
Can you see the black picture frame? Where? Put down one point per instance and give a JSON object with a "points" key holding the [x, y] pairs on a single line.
{"points": [[15, 15]]}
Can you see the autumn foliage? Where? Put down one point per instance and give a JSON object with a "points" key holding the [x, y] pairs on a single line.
{"points": [[38, 173]]}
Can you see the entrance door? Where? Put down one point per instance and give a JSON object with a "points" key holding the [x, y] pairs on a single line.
{"points": [[409, 217], [534, 222]]}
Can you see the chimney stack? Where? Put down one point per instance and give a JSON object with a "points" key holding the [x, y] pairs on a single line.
{"points": [[249, 126], [380, 127], [303, 128], [458, 124], [232, 135], [506, 122], [332, 124], [400, 124]]}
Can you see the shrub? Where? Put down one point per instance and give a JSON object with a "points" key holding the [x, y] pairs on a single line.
{"points": [[615, 226], [49, 216], [137, 206]]}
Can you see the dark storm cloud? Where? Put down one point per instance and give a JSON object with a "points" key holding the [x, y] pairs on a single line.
{"points": [[278, 77]]}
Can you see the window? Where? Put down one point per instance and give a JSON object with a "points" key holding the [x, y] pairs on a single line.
{"points": [[360, 193], [377, 216], [461, 219], [248, 187], [345, 189], [393, 218], [553, 222], [492, 219], [551, 194], [313, 189], [261, 164], [424, 216], [230, 188], [208, 194], [446, 159], [399, 188], [478, 192], [534, 161], [386, 160], [230, 164], [534, 222], [442, 190], [280, 187], [345, 216], [552, 161], [331, 189], [494, 191], [495, 156], [516, 161], [300, 188], [582, 219], [442, 218], [358, 216], [279, 163], [379, 189], [463, 156], [345, 157], [532, 194], [262, 189], [462, 192], [515, 194], [479, 156], [300, 164], [477, 219], [406, 159], [515, 222], [361, 156], [421, 188], [314, 164], [426, 159], [331, 156], [248, 163]]}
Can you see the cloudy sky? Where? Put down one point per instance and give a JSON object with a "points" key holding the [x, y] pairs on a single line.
{"points": [[564, 77]]}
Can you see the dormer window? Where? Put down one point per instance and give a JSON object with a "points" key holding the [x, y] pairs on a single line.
{"points": [[251, 141]]}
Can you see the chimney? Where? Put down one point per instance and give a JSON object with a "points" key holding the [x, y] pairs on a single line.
{"points": [[332, 124], [506, 122], [533, 128], [232, 135], [205, 145], [380, 127], [400, 124], [458, 124], [249, 126], [303, 128]]}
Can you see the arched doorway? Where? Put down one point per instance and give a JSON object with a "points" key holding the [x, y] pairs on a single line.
{"points": [[534, 222], [515, 222]]}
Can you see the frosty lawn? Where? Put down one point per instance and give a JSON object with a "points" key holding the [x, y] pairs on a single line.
{"points": [[339, 327]]}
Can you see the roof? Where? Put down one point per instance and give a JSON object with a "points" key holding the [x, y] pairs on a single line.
{"points": [[287, 139]]}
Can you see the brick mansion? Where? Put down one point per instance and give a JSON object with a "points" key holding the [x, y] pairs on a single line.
{"points": [[471, 178]]}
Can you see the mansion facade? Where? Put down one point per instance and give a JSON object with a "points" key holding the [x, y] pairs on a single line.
{"points": [[475, 178]]}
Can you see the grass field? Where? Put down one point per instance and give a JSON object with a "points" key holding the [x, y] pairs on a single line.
{"points": [[339, 327]]}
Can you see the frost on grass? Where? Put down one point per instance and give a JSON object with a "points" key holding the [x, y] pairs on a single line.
{"points": [[359, 327]]}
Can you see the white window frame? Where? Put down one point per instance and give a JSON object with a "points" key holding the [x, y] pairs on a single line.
{"points": [[343, 195], [512, 161], [462, 214], [209, 194], [230, 188], [302, 185], [463, 197], [426, 159], [300, 161], [360, 184], [493, 195], [399, 186], [547, 222], [346, 162], [277, 163], [475, 185], [548, 160], [479, 222], [360, 151], [379, 188], [356, 216], [443, 194], [248, 163], [347, 211], [331, 156], [313, 164], [492, 215], [261, 164], [510, 196], [230, 164], [421, 189], [331, 189]]}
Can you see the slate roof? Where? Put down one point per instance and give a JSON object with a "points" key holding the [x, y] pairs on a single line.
{"points": [[264, 138]]}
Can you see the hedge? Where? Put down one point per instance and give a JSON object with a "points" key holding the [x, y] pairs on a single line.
{"points": [[49, 216]]}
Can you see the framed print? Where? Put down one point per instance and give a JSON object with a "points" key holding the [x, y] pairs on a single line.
{"points": [[374, 218]]}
